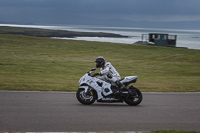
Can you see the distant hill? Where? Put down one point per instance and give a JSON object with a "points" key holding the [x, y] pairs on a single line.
{"points": [[52, 33]]}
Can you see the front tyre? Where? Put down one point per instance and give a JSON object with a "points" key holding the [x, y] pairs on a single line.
{"points": [[86, 98], [134, 98]]}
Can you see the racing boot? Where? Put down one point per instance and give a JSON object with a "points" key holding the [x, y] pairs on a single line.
{"points": [[120, 86]]}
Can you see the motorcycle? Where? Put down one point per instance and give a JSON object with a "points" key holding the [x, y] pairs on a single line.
{"points": [[92, 89]]}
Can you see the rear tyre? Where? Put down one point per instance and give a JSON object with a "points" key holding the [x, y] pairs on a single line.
{"points": [[134, 98], [86, 98]]}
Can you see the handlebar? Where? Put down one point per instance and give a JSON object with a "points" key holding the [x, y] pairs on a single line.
{"points": [[92, 70]]}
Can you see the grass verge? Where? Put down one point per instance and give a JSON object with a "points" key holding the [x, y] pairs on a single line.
{"points": [[45, 64], [173, 131]]}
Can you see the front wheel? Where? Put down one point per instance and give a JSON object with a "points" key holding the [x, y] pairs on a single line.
{"points": [[86, 98], [134, 98]]}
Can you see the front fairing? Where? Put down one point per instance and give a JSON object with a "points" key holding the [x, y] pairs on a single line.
{"points": [[84, 79], [92, 82]]}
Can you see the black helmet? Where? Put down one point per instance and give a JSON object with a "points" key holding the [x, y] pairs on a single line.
{"points": [[100, 61]]}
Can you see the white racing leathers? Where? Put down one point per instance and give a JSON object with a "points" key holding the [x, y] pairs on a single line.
{"points": [[109, 73]]}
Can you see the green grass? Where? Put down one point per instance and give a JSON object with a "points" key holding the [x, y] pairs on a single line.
{"points": [[173, 131], [35, 63]]}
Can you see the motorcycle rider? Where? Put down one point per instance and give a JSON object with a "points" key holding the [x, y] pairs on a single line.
{"points": [[107, 72]]}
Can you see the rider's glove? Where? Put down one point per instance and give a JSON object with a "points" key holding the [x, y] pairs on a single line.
{"points": [[95, 74]]}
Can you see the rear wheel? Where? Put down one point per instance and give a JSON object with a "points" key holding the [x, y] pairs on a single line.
{"points": [[134, 98], [86, 98]]}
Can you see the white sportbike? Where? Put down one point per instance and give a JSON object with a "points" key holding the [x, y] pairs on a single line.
{"points": [[92, 89]]}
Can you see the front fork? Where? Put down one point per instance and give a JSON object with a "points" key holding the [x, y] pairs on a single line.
{"points": [[85, 88]]}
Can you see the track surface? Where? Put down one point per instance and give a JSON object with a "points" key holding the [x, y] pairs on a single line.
{"points": [[61, 112]]}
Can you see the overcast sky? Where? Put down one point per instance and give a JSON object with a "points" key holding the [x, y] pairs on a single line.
{"points": [[101, 12]]}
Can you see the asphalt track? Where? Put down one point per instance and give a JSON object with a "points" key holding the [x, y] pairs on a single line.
{"points": [[61, 112]]}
